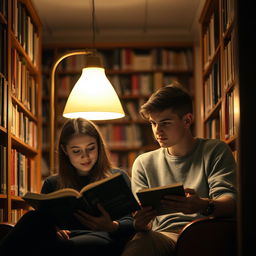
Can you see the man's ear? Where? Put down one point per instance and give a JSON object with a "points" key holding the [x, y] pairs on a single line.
{"points": [[188, 119]]}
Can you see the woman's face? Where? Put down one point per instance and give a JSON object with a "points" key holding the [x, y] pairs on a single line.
{"points": [[82, 151]]}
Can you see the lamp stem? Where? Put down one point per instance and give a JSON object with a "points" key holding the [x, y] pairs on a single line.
{"points": [[52, 104], [93, 24]]}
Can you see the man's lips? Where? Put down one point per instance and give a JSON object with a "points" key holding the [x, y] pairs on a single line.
{"points": [[161, 138]]}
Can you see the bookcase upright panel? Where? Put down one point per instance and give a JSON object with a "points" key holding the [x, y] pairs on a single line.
{"points": [[220, 89], [20, 111]]}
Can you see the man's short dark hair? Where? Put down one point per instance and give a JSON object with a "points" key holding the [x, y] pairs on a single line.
{"points": [[173, 96]]}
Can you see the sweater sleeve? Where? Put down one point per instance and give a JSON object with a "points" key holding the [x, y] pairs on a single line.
{"points": [[126, 222], [221, 172]]}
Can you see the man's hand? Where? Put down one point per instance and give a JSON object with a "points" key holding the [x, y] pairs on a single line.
{"points": [[63, 234], [143, 218], [192, 203]]}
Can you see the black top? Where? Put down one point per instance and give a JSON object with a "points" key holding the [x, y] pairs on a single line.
{"points": [[125, 223]]}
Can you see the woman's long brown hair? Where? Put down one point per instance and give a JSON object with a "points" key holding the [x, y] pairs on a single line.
{"points": [[68, 176]]}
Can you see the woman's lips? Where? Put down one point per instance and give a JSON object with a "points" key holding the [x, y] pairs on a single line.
{"points": [[85, 164]]}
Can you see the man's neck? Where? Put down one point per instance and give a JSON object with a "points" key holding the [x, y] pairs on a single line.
{"points": [[183, 148]]}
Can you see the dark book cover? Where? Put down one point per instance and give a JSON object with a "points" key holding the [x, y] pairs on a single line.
{"points": [[152, 196], [113, 193]]}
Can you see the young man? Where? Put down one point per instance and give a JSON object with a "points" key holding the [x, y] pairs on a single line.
{"points": [[205, 167]]}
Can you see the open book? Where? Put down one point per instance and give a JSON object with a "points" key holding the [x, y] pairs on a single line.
{"points": [[113, 193], [152, 196]]}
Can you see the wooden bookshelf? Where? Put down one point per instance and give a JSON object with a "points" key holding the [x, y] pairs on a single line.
{"points": [[20, 108], [135, 71], [220, 89]]}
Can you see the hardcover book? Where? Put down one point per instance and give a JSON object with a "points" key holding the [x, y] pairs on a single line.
{"points": [[152, 196], [113, 193]]}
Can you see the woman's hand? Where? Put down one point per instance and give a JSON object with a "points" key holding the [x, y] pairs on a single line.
{"points": [[143, 218], [63, 234], [189, 204], [101, 223]]}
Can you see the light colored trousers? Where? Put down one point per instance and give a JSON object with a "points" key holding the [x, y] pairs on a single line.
{"points": [[151, 243]]}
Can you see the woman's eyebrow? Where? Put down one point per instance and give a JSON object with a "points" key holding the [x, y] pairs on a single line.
{"points": [[75, 146]]}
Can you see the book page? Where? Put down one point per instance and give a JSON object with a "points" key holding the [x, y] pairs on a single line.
{"points": [[56, 194]]}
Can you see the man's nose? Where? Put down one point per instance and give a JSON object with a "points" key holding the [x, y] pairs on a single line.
{"points": [[158, 127]]}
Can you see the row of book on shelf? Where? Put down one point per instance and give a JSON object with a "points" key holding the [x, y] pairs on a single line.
{"points": [[143, 84], [4, 7], [212, 87], [3, 169], [23, 174], [3, 49], [134, 84], [122, 135], [23, 127], [214, 124], [228, 69], [25, 31], [16, 214], [3, 102], [137, 59], [24, 86], [211, 39]]}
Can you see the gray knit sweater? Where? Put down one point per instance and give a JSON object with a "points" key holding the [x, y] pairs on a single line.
{"points": [[209, 169]]}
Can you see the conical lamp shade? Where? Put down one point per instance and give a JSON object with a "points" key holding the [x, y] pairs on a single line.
{"points": [[93, 97]]}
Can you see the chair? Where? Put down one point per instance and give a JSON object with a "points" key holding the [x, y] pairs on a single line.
{"points": [[5, 227], [208, 236]]}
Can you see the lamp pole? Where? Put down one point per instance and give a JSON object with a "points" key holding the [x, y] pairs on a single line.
{"points": [[52, 103]]}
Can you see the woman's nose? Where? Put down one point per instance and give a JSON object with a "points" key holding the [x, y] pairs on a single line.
{"points": [[85, 154]]}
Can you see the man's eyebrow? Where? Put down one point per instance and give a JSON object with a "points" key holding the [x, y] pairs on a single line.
{"points": [[163, 120]]}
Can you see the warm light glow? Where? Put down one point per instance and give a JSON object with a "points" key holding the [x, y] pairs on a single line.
{"points": [[93, 97]]}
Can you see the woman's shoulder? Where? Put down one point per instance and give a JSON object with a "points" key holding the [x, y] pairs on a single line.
{"points": [[52, 179], [50, 184]]}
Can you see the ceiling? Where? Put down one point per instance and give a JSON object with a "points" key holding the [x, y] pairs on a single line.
{"points": [[119, 20]]}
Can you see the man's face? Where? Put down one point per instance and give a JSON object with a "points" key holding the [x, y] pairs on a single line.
{"points": [[168, 128]]}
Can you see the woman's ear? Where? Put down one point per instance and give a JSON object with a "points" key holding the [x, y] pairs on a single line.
{"points": [[64, 149]]}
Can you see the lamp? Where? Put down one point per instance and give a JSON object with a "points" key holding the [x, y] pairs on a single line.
{"points": [[92, 97]]}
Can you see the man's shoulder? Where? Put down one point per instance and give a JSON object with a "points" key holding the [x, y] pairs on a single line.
{"points": [[212, 144], [206, 142], [150, 154]]}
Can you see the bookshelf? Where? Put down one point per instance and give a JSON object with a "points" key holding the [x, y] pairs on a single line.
{"points": [[220, 89], [20, 109], [135, 70]]}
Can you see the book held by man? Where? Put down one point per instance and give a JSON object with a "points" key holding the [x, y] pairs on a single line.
{"points": [[152, 196], [112, 193]]}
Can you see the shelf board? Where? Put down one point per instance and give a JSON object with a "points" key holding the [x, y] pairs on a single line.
{"points": [[24, 109], [19, 144]]}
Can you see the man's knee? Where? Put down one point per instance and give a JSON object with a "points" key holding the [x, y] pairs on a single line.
{"points": [[149, 243]]}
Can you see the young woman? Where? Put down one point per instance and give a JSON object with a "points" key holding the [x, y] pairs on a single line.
{"points": [[83, 158]]}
